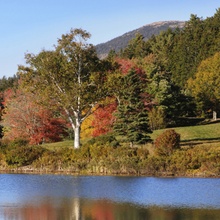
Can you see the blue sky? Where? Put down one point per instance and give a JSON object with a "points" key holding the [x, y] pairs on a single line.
{"points": [[33, 25]]}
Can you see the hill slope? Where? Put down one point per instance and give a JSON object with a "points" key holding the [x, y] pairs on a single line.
{"points": [[147, 31]]}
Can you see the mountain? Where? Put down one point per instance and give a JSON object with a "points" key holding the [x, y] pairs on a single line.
{"points": [[147, 31]]}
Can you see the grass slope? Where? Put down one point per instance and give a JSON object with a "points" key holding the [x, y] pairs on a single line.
{"points": [[192, 134], [201, 133]]}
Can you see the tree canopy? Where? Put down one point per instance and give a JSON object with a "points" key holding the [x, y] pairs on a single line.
{"points": [[205, 85], [170, 72], [71, 75], [132, 111]]}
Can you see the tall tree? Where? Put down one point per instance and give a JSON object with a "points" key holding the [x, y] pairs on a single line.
{"points": [[136, 47], [161, 46], [24, 118], [8, 82], [169, 98], [103, 117], [205, 85], [132, 112], [71, 75], [198, 40], [1, 110], [5, 83]]}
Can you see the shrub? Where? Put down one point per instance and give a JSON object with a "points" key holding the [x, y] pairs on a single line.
{"points": [[22, 156], [18, 142], [106, 139], [49, 160], [2, 160], [3, 146], [167, 142]]}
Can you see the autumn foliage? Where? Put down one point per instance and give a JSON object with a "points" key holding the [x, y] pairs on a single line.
{"points": [[26, 119], [168, 141], [104, 118]]}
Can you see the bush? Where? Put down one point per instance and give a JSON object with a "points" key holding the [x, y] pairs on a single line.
{"points": [[3, 146], [49, 160], [167, 142], [2, 160], [106, 139], [22, 156], [18, 143]]}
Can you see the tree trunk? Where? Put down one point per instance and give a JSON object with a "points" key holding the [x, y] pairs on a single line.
{"points": [[76, 126], [77, 137], [214, 115]]}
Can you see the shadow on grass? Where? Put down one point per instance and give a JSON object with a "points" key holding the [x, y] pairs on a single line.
{"points": [[198, 141]]}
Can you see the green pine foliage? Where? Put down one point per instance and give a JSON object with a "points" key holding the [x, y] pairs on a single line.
{"points": [[137, 48], [7, 83], [199, 40], [132, 114]]}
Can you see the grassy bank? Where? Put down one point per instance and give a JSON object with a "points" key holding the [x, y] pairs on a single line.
{"points": [[199, 155], [200, 133]]}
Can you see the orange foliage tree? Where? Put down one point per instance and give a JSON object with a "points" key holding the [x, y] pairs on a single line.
{"points": [[104, 118]]}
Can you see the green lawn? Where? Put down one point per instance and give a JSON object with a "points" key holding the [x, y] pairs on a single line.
{"points": [[57, 145], [199, 133], [195, 133]]}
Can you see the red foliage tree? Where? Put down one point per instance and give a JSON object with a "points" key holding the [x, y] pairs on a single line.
{"points": [[103, 118], [125, 65], [24, 118]]}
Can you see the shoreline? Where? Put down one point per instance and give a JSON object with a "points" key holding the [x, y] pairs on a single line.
{"points": [[36, 171]]}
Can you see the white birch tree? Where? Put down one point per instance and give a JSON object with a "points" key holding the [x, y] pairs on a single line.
{"points": [[71, 76]]}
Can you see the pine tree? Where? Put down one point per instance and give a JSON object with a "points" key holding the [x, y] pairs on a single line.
{"points": [[132, 112]]}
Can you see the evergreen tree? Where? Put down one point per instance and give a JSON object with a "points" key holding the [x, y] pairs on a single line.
{"points": [[132, 112], [199, 40], [6, 83], [137, 48], [162, 45], [169, 97]]}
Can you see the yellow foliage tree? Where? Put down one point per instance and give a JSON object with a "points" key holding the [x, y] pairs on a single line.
{"points": [[205, 85], [87, 129]]}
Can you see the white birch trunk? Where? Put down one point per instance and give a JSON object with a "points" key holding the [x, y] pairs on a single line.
{"points": [[77, 137], [76, 128]]}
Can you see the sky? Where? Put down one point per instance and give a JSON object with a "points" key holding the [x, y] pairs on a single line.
{"points": [[29, 26]]}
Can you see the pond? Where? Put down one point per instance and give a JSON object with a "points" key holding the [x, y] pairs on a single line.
{"points": [[29, 196]]}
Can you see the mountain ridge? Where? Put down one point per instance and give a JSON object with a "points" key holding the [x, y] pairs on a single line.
{"points": [[147, 31]]}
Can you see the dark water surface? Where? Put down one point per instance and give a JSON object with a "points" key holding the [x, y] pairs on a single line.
{"points": [[40, 197]]}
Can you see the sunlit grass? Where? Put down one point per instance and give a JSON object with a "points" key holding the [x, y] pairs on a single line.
{"points": [[194, 133], [202, 133], [58, 145]]}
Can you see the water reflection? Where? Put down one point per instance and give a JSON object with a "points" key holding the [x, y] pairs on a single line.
{"points": [[103, 210], [107, 198]]}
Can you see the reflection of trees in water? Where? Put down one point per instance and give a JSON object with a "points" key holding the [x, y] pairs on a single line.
{"points": [[47, 209], [98, 210], [84, 209], [28, 211]]}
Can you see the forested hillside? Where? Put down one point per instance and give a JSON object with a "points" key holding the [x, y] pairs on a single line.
{"points": [[146, 31]]}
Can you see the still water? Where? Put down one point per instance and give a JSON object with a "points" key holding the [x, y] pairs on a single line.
{"points": [[63, 197]]}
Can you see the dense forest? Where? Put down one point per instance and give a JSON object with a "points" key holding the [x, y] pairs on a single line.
{"points": [[169, 80]]}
